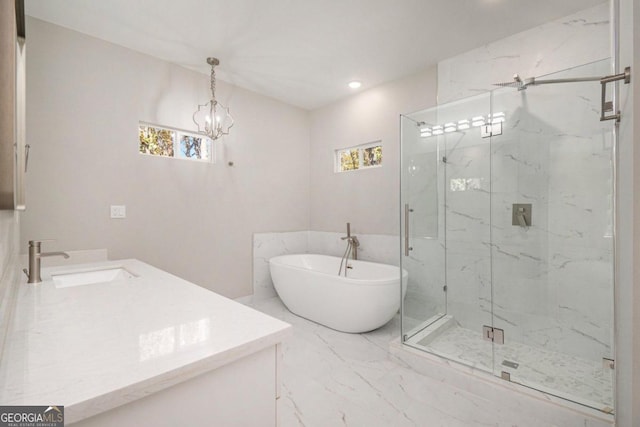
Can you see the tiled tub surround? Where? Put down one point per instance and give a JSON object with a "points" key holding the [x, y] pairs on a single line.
{"points": [[331, 378], [267, 246], [373, 247], [108, 346]]}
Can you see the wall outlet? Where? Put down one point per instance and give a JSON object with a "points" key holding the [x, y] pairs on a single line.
{"points": [[118, 211]]}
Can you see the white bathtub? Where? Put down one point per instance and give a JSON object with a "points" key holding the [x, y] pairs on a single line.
{"points": [[310, 287]]}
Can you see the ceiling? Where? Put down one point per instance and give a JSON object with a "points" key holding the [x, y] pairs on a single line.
{"points": [[303, 52]]}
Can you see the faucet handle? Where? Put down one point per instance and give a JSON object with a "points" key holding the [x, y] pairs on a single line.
{"points": [[41, 241], [37, 243]]}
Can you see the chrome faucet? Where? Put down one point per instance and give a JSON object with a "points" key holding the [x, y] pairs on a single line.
{"points": [[352, 240], [33, 275]]}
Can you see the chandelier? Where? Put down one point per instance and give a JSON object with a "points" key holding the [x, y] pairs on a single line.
{"points": [[213, 119]]}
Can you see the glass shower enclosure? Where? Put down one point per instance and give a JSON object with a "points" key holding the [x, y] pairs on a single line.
{"points": [[507, 222]]}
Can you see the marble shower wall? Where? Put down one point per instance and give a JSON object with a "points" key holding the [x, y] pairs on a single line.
{"points": [[574, 40], [551, 283], [373, 247]]}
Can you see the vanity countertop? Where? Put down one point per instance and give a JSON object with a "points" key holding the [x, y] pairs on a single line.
{"points": [[94, 347]]}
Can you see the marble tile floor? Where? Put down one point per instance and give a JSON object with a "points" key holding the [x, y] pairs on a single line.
{"points": [[579, 380], [330, 378]]}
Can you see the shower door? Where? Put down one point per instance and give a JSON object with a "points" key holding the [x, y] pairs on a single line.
{"points": [[446, 224], [552, 277], [507, 230]]}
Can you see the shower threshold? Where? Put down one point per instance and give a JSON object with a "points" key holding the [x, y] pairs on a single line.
{"points": [[569, 377]]}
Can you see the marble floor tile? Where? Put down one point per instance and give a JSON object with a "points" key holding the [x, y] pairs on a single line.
{"points": [[572, 378], [331, 378]]}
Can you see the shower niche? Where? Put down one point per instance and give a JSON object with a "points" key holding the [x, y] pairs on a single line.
{"points": [[508, 235]]}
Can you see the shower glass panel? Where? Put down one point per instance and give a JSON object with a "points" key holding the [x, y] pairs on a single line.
{"points": [[553, 278], [445, 196], [424, 251], [526, 295]]}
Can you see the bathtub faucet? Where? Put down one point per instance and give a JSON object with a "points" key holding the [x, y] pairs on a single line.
{"points": [[352, 241], [352, 248]]}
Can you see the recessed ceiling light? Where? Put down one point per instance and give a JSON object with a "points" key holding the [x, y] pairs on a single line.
{"points": [[355, 84]]}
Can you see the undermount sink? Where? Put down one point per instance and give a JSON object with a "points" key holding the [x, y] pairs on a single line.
{"points": [[81, 278]]}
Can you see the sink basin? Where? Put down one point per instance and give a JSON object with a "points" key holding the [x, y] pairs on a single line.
{"points": [[81, 278]]}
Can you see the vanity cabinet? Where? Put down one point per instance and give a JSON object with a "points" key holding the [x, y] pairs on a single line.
{"points": [[243, 392], [142, 349]]}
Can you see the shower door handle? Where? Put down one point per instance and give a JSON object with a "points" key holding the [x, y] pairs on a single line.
{"points": [[407, 248], [27, 148]]}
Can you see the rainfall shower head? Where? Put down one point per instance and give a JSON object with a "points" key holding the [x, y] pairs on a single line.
{"points": [[518, 83], [521, 84]]}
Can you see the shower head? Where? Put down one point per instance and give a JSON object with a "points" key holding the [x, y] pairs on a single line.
{"points": [[517, 82], [520, 84]]}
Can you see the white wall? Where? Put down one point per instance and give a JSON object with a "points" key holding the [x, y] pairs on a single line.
{"points": [[367, 198], [195, 220], [628, 225]]}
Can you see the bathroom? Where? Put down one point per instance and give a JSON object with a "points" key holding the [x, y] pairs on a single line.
{"points": [[273, 189]]}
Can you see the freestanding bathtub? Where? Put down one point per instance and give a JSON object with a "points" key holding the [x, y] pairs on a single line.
{"points": [[310, 287]]}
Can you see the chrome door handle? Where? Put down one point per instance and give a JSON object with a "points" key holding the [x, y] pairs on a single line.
{"points": [[407, 248], [27, 147]]}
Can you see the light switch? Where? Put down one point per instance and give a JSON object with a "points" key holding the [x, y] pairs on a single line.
{"points": [[118, 211]]}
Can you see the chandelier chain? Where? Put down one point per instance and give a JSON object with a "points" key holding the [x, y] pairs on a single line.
{"points": [[213, 83]]}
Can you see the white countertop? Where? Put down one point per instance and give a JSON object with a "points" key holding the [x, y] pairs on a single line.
{"points": [[94, 347]]}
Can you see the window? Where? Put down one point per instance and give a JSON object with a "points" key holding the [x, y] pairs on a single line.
{"points": [[359, 157], [168, 142]]}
